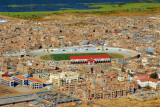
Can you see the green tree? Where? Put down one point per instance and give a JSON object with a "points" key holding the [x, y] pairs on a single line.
{"points": [[123, 70], [147, 87], [154, 75]]}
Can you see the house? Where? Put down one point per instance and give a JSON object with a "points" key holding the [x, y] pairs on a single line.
{"points": [[121, 78], [144, 76], [143, 82], [158, 73], [111, 77], [158, 87]]}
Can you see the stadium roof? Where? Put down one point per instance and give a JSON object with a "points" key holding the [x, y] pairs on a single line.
{"points": [[89, 57]]}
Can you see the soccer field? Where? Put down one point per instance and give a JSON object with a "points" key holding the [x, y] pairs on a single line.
{"points": [[59, 57]]}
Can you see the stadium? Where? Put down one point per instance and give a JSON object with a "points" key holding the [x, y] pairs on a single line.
{"points": [[87, 51]]}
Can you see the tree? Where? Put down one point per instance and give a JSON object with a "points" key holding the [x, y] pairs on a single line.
{"points": [[147, 87], [154, 75], [123, 70]]}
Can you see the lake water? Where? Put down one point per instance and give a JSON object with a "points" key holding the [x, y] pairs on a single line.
{"points": [[49, 5]]}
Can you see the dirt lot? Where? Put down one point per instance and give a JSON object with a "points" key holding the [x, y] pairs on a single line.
{"points": [[6, 91], [123, 103]]}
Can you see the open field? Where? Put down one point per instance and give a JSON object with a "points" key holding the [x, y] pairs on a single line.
{"points": [[123, 103], [6, 91], [142, 8], [18, 90], [58, 57]]}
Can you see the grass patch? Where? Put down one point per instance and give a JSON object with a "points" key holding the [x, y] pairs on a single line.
{"points": [[115, 56], [59, 57], [80, 24], [46, 57], [21, 5]]}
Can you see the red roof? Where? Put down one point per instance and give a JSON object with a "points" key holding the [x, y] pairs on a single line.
{"points": [[20, 77], [112, 76], [135, 85], [35, 80], [148, 79], [143, 76], [89, 57]]}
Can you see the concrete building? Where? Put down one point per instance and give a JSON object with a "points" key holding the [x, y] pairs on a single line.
{"points": [[20, 80], [121, 78], [158, 87], [34, 83], [66, 77], [54, 78], [143, 82], [7, 81], [3, 20]]}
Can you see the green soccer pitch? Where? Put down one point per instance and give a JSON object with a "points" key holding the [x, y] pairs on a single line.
{"points": [[59, 57]]}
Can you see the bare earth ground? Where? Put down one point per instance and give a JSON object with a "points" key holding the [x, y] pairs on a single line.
{"points": [[10, 18], [70, 16], [122, 103], [6, 91], [18, 90]]}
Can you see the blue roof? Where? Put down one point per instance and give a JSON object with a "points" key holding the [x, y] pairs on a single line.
{"points": [[134, 37], [149, 50], [94, 43]]}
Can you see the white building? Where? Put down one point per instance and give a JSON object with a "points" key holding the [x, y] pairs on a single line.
{"points": [[4, 20], [158, 73], [69, 76], [121, 78], [144, 61], [130, 71], [65, 76], [148, 82]]}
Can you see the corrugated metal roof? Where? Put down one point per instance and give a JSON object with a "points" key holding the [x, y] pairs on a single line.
{"points": [[18, 98]]}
